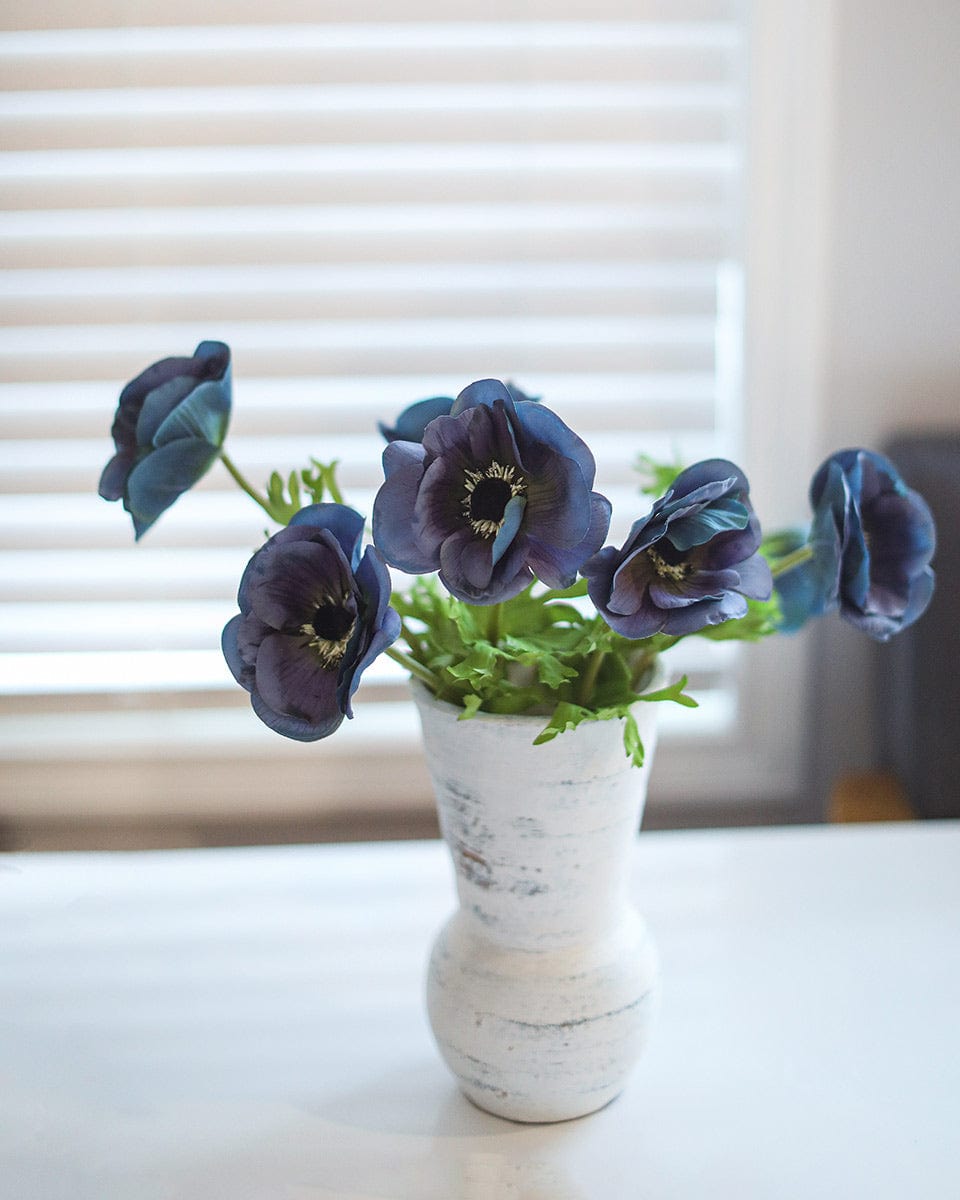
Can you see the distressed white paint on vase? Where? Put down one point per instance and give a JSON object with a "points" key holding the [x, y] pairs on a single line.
{"points": [[542, 986]]}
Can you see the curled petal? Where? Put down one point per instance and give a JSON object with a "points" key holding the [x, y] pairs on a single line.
{"points": [[162, 477]]}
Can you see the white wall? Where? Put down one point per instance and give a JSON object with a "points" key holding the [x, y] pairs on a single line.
{"points": [[892, 288]]}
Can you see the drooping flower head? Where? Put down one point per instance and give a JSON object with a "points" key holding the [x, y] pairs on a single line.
{"points": [[873, 539], [497, 493], [313, 616], [170, 424], [413, 421], [690, 563]]}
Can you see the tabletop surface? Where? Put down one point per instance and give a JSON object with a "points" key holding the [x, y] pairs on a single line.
{"points": [[247, 1024]]}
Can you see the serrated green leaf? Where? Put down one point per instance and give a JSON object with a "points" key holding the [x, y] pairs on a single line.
{"points": [[658, 476], [674, 692], [565, 716], [471, 706], [632, 742], [760, 622]]}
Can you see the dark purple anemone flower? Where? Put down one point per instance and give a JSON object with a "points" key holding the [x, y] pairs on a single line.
{"points": [[873, 539], [313, 616], [690, 563], [170, 424], [498, 492], [415, 418]]}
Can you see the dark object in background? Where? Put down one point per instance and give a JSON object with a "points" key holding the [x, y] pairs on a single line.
{"points": [[919, 671]]}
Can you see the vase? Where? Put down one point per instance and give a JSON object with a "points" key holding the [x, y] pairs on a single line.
{"points": [[542, 985]]}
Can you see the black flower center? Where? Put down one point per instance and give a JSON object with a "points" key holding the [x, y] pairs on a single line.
{"points": [[330, 629], [489, 499], [487, 495]]}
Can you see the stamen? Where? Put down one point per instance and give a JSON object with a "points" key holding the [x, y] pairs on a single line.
{"points": [[331, 629], [674, 571]]}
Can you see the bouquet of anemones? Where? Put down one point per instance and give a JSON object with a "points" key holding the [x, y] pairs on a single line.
{"points": [[488, 502]]}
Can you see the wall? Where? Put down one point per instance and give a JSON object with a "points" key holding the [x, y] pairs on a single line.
{"points": [[892, 290]]}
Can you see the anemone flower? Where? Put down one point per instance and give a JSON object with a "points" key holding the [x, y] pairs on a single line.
{"points": [[313, 616], [692, 562], [498, 492], [873, 539], [170, 424]]}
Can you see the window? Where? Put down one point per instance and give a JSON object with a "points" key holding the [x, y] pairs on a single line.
{"points": [[371, 203]]}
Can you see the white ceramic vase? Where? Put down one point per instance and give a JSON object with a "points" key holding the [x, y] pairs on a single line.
{"points": [[542, 986]]}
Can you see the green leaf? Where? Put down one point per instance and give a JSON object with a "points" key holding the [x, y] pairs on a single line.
{"points": [[658, 476], [760, 622], [471, 706], [632, 742], [565, 716], [674, 692]]}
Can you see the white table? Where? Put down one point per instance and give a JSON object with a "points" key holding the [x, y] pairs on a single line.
{"points": [[240, 1024]]}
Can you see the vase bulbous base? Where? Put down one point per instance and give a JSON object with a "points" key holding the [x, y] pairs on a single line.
{"points": [[542, 1036]]}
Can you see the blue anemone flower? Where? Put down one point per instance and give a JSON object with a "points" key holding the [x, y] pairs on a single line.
{"points": [[413, 421], [313, 616], [170, 424], [873, 539], [690, 563], [497, 493]]}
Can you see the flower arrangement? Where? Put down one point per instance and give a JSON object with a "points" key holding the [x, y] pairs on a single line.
{"points": [[488, 501]]}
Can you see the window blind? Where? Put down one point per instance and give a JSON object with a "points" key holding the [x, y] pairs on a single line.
{"points": [[371, 203]]}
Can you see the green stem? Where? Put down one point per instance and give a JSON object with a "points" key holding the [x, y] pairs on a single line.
{"points": [[247, 487], [412, 640], [589, 677], [409, 663], [493, 623], [789, 561]]}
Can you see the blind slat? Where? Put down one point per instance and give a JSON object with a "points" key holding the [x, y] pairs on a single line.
{"points": [[356, 290], [66, 14], [681, 113]]}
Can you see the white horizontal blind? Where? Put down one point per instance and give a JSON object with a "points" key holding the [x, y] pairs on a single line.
{"points": [[371, 203]]}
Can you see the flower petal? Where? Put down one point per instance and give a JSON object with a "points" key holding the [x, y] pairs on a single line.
{"points": [[297, 729], [558, 502], [756, 582], [162, 477], [558, 566], [415, 418], [543, 425], [482, 393], [289, 580], [721, 516], [203, 414], [291, 681], [345, 524], [702, 585], [393, 518], [512, 516]]}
